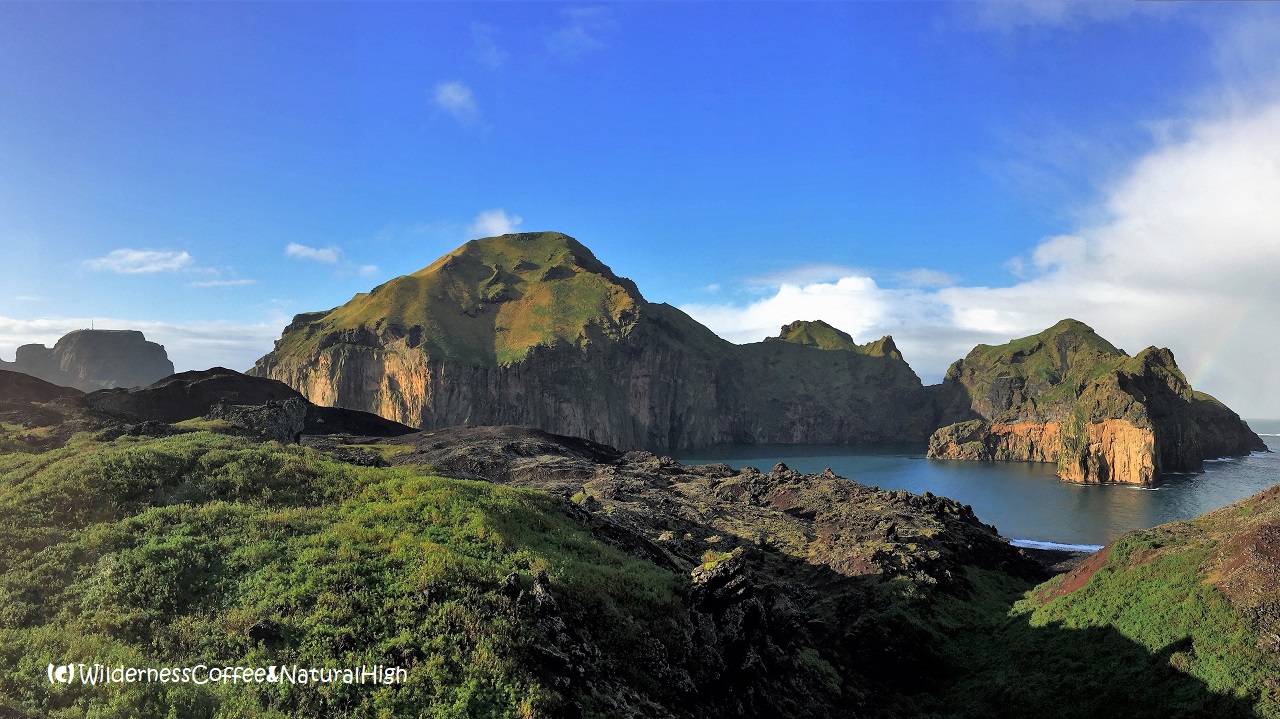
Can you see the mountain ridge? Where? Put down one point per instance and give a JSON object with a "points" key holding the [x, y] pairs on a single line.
{"points": [[532, 329]]}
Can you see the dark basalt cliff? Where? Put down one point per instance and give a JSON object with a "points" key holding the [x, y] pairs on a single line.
{"points": [[94, 359], [532, 329], [1068, 396]]}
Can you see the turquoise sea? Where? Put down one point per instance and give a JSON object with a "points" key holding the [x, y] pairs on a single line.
{"points": [[1026, 501]]}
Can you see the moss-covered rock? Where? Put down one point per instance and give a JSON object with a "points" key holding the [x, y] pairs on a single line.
{"points": [[1068, 396]]}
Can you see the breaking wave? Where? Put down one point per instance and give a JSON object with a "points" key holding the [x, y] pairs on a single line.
{"points": [[1037, 544]]}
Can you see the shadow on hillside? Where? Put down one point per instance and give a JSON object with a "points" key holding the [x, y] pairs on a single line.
{"points": [[1054, 671]]}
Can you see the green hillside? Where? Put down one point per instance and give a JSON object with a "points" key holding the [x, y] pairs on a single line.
{"points": [[202, 547], [488, 302], [1039, 373]]}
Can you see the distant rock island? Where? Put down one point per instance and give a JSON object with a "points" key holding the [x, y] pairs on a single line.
{"points": [[532, 329], [1068, 396], [94, 359]]}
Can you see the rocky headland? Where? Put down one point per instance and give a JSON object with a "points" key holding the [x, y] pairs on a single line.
{"points": [[1067, 396], [94, 359]]}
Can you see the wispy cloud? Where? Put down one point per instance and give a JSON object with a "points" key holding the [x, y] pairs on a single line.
{"points": [[802, 275], [224, 283], [28, 298], [457, 99], [342, 267], [1014, 15], [493, 222], [128, 261], [327, 255], [582, 30], [923, 277], [485, 46]]}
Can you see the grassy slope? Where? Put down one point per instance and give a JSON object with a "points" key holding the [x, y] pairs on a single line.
{"points": [[1173, 622], [1058, 361], [209, 548], [818, 334], [490, 301]]}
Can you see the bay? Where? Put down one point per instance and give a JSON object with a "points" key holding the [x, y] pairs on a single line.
{"points": [[1026, 501]]}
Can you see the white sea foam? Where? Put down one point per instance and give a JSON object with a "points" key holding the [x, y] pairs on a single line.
{"points": [[1037, 544]]}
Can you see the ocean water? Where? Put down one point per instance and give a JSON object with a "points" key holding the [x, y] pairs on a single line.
{"points": [[1026, 501]]}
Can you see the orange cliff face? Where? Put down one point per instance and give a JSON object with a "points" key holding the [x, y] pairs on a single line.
{"points": [[997, 441], [1115, 451]]}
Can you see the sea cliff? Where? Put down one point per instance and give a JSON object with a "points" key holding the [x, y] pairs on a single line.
{"points": [[1069, 397]]}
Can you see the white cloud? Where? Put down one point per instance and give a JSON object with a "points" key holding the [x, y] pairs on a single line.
{"points": [[224, 283], [457, 99], [485, 47], [28, 298], [1186, 256], [128, 261], [367, 270], [582, 30], [190, 345], [493, 222], [854, 304], [327, 255]]}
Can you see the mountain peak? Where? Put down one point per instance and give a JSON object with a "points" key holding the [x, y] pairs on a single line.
{"points": [[488, 302], [820, 335], [816, 333]]}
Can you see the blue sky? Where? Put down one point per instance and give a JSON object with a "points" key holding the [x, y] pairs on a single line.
{"points": [[950, 173]]}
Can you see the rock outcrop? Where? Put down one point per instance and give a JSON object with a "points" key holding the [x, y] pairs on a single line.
{"points": [[532, 329], [787, 573], [281, 421], [95, 359], [253, 405], [1068, 396], [262, 405]]}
